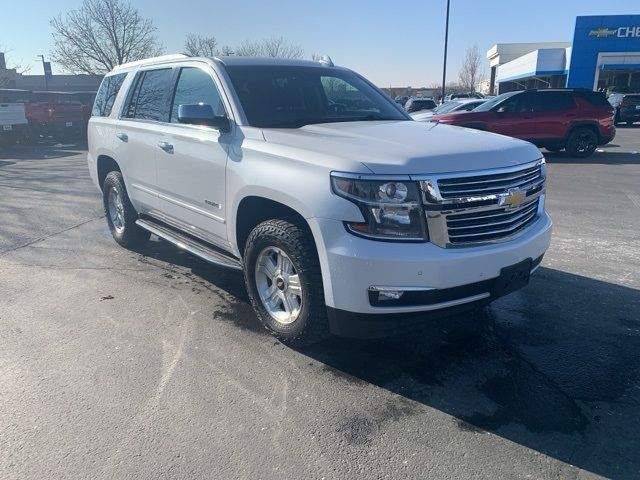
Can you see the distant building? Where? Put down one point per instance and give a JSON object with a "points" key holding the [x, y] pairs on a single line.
{"points": [[604, 55], [9, 78]]}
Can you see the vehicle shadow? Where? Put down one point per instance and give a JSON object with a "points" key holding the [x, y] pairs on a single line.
{"points": [[598, 158], [553, 367], [40, 152]]}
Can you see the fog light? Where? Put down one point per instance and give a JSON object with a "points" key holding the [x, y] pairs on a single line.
{"points": [[389, 295]]}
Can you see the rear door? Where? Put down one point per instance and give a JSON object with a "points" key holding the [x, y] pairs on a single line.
{"points": [[553, 113], [138, 135], [192, 168]]}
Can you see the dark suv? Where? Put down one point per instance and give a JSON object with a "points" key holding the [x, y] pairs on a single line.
{"points": [[575, 120], [417, 104], [627, 107]]}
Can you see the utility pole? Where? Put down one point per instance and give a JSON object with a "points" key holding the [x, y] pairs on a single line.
{"points": [[46, 74], [446, 41]]}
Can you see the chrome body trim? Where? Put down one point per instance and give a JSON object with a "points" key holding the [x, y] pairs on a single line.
{"points": [[182, 204], [438, 306], [189, 229], [379, 288]]}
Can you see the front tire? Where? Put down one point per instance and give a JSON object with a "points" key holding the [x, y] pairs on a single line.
{"points": [[284, 282], [582, 142], [121, 216]]}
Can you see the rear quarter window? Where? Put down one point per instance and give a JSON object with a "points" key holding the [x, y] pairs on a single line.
{"points": [[107, 94], [597, 99], [554, 101]]}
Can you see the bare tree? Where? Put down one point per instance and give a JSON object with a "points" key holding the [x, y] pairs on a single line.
{"points": [[249, 48], [199, 46], [270, 47], [18, 66], [13, 68], [471, 72], [279, 47], [226, 50], [100, 35]]}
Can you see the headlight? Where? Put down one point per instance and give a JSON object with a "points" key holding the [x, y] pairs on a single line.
{"points": [[392, 209]]}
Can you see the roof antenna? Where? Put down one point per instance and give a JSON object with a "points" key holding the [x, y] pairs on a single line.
{"points": [[326, 61]]}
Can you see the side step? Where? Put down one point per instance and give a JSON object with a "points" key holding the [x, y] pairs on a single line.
{"points": [[190, 244]]}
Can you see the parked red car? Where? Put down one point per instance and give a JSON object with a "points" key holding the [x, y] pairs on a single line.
{"points": [[55, 114], [575, 120]]}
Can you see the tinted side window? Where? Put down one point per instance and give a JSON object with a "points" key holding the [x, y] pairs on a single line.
{"points": [[597, 99], [149, 99], [515, 103], [553, 101], [196, 86], [107, 94]]}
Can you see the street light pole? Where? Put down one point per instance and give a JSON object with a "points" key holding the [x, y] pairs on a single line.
{"points": [[446, 41], [46, 81]]}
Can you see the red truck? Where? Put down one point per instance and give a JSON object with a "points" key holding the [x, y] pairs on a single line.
{"points": [[57, 115], [572, 119]]}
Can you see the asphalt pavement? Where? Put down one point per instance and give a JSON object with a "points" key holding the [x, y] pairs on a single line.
{"points": [[151, 364]]}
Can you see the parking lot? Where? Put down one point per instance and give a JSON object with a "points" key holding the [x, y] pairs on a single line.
{"points": [[151, 363]]}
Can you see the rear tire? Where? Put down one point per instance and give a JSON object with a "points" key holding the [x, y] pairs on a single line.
{"points": [[283, 278], [582, 142], [121, 216]]}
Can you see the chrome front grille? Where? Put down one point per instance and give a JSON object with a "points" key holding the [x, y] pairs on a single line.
{"points": [[488, 184], [485, 206], [490, 225]]}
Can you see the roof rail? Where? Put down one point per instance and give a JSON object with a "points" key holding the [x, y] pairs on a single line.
{"points": [[152, 60]]}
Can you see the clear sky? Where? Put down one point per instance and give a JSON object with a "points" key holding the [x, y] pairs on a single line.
{"points": [[395, 43]]}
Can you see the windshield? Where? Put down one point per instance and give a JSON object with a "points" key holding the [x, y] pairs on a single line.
{"points": [[291, 97], [446, 107], [489, 104]]}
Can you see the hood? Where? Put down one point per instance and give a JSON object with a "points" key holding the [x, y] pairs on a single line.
{"points": [[406, 147], [422, 116]]}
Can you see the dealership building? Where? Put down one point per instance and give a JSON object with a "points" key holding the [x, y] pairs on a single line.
{"points": [[604, 55]]}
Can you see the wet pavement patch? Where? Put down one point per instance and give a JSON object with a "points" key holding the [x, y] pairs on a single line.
{"points": [[525, 396]]}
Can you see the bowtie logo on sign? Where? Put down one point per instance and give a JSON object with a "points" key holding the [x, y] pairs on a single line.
{"points": [[621, 32]]}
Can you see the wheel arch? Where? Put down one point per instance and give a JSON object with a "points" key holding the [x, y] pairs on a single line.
{"points": [[593, 126], [255, 209], [106, 164]]}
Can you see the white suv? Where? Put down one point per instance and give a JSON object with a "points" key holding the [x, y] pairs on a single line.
{"points": [[345, 215]]}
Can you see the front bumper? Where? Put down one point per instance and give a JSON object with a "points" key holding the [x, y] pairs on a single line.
{"points": [[351, 265], [15, 133]]}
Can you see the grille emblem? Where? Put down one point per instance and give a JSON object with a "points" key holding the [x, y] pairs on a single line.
{"points": [[512, 199]]}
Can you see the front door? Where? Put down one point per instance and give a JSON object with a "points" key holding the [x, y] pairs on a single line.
{"points": [[515, 117], [191, 161]]}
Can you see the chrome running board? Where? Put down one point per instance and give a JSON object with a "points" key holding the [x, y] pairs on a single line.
{"points": [[195, 247]]}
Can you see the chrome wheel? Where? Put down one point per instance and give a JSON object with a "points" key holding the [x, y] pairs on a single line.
{"points": [[278, 285], [116, 210]]}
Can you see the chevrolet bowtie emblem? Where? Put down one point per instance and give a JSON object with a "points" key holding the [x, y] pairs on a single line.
{"points": [[603, 32], [512, 199]]}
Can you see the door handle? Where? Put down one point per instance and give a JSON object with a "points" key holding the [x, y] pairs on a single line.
{"points": [[122, 136], [166, 146]]}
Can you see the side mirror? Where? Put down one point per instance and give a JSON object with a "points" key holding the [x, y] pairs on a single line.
{"points": [[502, 109], [202, 114]]}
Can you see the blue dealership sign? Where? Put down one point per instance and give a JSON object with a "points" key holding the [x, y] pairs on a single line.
{"points": [[595, 35]]}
